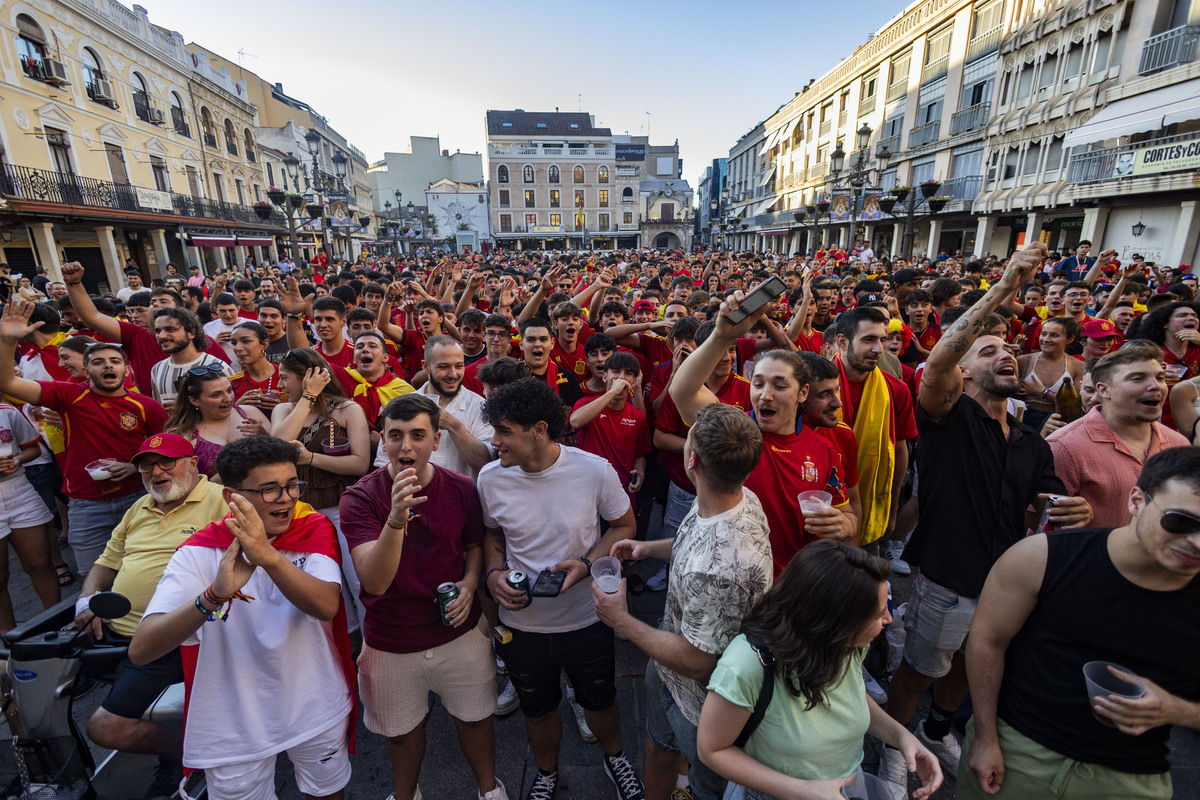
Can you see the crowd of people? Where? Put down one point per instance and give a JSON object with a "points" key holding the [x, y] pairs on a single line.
{"points": [[427, 459]]}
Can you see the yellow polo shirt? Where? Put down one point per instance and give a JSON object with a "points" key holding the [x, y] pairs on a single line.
{"points": [[146, 538]]}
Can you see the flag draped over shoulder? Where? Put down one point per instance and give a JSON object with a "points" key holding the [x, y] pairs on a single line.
{"points": [[374, 395]]}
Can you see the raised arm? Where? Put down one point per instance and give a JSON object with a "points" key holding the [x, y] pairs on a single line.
{"points": [[793, 331], [1114, 297], [1102, 261], [15, 325], [103, 324], [544, 289], [383, 321], [295, 307]]}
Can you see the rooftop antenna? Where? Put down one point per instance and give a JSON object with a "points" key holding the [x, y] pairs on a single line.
{"points": [[581, 102], [647, 124], [242, 54]]}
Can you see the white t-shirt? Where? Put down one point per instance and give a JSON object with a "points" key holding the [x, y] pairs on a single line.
{"points": [[467, 408], [217, 327], [548, 517], [126, 292], [268, 677], [164, 376]]}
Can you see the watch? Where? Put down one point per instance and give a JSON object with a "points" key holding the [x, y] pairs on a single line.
{"points": [[586, 562]]}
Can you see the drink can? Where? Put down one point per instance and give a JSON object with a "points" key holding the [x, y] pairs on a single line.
{"points": [[502, 634], [520, 582], [446, 593]]}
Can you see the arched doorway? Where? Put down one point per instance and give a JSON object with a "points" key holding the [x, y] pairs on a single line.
{"points": [[667, 241]]}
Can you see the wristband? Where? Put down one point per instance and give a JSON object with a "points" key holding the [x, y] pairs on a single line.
{"points": [[310, 397], [488, 574], [586, 562], [391, 523], [81, 604]]}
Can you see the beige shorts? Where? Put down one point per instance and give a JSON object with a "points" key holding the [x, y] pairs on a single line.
{"points": [[395, 687]]}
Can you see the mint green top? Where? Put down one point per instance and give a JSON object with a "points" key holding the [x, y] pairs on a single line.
{"points": [[822, 743]]}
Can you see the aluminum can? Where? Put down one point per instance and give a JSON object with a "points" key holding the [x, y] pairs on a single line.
{"points": [[520, 581], [445, 595]]}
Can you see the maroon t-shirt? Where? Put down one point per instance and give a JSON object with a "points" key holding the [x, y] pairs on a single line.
{"points": [[406, 618]]}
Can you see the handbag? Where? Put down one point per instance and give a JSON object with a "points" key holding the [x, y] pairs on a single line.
{"points": [[767, 659]]}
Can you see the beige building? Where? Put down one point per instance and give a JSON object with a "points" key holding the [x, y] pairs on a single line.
{"points": [[118, 142]]}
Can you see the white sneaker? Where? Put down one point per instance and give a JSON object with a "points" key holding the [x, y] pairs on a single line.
{"points": [[499, 793], [416, 795], [501, 667], [585, 732], [877, 692], [893, 551], [507, 701], [947, 750], [894, 772]]}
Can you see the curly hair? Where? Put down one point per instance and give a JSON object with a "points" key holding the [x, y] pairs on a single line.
{"points": [[239, 457], [1153, 324], [812, 615], [527, 402]]}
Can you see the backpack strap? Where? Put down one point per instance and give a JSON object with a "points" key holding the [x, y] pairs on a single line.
{"points": [[767, 659]]}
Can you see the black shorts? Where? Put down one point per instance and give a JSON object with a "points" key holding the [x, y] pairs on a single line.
{"points": [[136, 688], [535, 661]]}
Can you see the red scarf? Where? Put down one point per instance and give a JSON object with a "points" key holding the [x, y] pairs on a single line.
{"points": [[309, 532]]}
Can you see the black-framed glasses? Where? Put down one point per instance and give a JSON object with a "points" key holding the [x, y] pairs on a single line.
{"points": [[1179, 523], [166, 465], [273, 494], [207, 369]]}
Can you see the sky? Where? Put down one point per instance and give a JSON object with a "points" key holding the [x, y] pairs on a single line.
{"points": [[702, 72]]}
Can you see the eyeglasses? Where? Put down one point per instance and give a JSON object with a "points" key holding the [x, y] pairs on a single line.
{"points": [[207, 369], [166, 465], [1179, 523], [273, 494], [494, 334]]}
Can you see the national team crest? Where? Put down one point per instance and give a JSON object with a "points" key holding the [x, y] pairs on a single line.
{"points": [[809, 471], [156, 441], [128, 421]]}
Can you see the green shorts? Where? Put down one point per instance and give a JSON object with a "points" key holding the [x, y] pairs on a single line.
{"points": [[1034, 772]]}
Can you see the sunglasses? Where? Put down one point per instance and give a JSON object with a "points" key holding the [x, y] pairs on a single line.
{"points": [[206, 369], [1179, 523]]}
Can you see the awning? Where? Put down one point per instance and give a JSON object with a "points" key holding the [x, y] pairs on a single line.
{"points": [[772, 139], [762, 209], [766, 176], [212, 241], [1149, 111], [787, 132], [738, 212], [255, 241], [772, 233]]}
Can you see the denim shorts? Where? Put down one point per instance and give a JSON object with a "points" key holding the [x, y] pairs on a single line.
{"points": [[671, 731], [679, 503], [91, 526], [536, 660], [936, 624]]}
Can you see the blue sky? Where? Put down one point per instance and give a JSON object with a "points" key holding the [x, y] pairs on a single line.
{"points": [[381, 71]]}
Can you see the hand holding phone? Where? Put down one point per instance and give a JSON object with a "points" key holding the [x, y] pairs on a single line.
{"points": [[548, 583]]}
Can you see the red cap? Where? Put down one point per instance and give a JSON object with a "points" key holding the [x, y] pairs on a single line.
{"points": [[168, 445], [641, 305], [1099, 328]]}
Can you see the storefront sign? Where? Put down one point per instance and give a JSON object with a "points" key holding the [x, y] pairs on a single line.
{"points": [[154, 200], [1156, 159]]}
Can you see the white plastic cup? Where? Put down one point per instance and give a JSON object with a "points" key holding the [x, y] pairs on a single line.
{"points": [[606, 571], [1175, 372], [866, 787], [98, 472], [340, 446], [814, 502], [1102, 683]]}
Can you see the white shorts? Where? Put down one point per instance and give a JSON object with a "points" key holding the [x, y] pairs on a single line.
{"points": [[21, 506], [322, 767]]}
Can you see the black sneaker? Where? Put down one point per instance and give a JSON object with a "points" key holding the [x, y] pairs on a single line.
{"points": [[545, 784], [620, 772], [167, 775]]}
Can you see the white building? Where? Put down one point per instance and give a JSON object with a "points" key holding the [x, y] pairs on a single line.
{"points": [[402, 178], [459, 210]]}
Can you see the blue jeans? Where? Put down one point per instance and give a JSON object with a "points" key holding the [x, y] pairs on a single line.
{"points": [[679, 503], [671, 731], [47, 482], [91, 526]]}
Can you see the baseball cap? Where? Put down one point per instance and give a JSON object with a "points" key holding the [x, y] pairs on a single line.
{"points": [[643, 305], [168, 445], [906, 276], [871, 297], [1099, 328]]}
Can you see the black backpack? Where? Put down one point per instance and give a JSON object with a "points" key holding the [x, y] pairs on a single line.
{"points": [[767, 659]]}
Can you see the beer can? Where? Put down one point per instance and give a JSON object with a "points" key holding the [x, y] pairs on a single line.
{"points": [[520, 581], [445, 595]]}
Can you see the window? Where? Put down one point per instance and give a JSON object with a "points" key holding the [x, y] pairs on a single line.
{"points": [[504, 198], [1073, 67], [270, 174], [553, 173], [31, 47], [627, 193], [530, 198], [579, 198], [604, 198], [1024, 85], [603, 175], [230, 138], [219, 186], [1010, 162], [241, 191], [249, 139], [987, 17], [938, 46], [141, 97], [898, 85], [92, 72], [574, 126], [60, 157], [542, 126], [1032, 156], [577, 175], [530, 221], [178, 120], [1100, 54], [162, 180], [627, 217], [1049, 70], [603, 222], [207, 129], [502, 174], [527, 174], [556, 220], [922, 170], [506, 124], [506, 223], [666, 212], [1054, 155], [554, 198]]}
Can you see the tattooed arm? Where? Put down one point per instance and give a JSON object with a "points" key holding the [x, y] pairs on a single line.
{"points": [[941, 382]]}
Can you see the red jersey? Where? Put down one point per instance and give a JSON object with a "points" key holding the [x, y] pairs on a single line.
{"points": [[811, 343], [928, 337], [574, 363], [735, 392], [904, 421], [344, 357], [141, 351], [1191, 360], [655, 349], [846, 443], [619, 437], [412, 351], [95, 427], [791, 464], [242, 383]]}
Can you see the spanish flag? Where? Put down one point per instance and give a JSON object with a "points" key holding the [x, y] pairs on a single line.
{"points": [[579, 218], [373, 396]]}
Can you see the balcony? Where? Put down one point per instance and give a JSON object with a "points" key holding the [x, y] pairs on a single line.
{"points": [[922, 135], [866, 106], [210, 139], [963, 188], [1100, 165], [891, 144], [141, 106], [971, 118], [826, 127], [231, 148], [985, 43], [898, 89], [935, 69], [178, 122], [1169, 49]]}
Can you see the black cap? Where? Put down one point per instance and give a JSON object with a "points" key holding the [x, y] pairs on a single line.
{"points": [[907, 276]]}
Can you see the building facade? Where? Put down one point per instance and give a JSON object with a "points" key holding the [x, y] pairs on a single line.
{"points": [[399, 178], [459, 212]]}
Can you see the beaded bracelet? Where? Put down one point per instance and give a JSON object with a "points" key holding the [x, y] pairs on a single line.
{"points": [[311, 398], [221, 613]]}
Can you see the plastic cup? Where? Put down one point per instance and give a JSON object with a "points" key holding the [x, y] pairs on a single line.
{"points": [[98, 472], [814, 502], [606, 572], [866, 787], [1175, 372], [340, 446], [1102, 683]]}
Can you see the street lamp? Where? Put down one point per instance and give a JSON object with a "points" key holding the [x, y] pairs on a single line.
{"points": [[1139, 228], [859, 174], [313, 140], [291, 165]]}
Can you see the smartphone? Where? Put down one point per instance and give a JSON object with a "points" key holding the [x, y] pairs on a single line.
{"points": [[767, 291], [548, 584]]}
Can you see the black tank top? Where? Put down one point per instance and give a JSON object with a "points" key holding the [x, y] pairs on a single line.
{"points": [[1087, 611]]}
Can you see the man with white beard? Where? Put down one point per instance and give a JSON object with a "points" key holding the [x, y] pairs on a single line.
{"points": [[179, 502]]}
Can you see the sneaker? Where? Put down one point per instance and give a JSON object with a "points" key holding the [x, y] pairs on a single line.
{"points": [[682, 793], [167, 776], [620, 772], [507, 702], [499, 793], [893, 551], [416, 794], [877, 692], [501, 667], [585, 732], [545, 784], [894, 772], [947, 750], [658, 581]]}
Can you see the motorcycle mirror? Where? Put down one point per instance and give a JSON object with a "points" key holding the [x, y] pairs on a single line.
{"points": [[109, 605]]}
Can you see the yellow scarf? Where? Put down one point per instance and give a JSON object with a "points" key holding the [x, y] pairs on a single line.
{"points": [[876, 451]]}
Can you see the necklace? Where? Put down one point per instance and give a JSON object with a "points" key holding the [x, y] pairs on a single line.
{"points": [[1145, 451], [205, 426]]}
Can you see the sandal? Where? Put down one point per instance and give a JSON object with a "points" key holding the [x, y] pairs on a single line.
{"points": [[65, 576]]}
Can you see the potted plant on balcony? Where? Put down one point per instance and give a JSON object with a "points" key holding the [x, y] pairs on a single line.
{"points": [[295, 200], [276, 195], [823, 206], [315, 209], [930, 187], [263, 209], [901, 192], [887, 203], [799, 214], [364, 221], [938, 202]]}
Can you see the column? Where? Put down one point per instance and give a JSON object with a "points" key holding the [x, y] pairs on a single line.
{"points": [[158, 239], [273, 252], [935, 235], [47, 249], [869, 236], [984, 228], [112, 259], [239, 256], [897, 238], [1180, 250], [194, 256], [1033, 226], [1095, 221]]}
